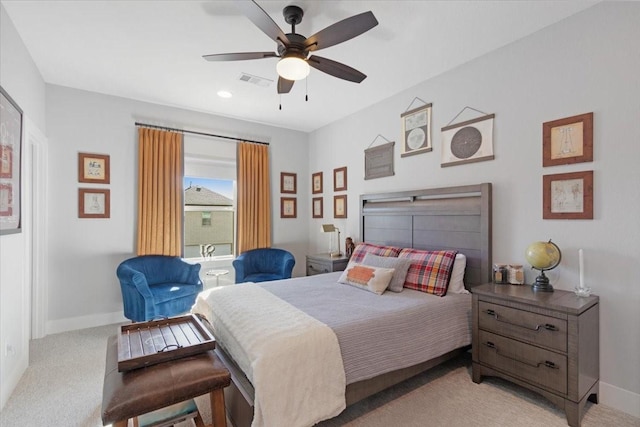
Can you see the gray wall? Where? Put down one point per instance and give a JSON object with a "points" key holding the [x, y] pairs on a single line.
{"points": [[20, 77], [84, 254], [589, 62]]}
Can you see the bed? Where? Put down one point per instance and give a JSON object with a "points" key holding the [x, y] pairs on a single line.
{"points": [[375, 336]]}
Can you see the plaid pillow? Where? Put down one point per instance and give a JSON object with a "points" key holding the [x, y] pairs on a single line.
{"points": [[430, 271], [363, 248]]}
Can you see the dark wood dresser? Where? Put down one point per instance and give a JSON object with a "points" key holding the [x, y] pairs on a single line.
{"points": [[324, 263], [547, 342]]}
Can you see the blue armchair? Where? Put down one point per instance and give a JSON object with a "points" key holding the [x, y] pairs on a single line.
{"points": [[157, 286], [262, 265]]}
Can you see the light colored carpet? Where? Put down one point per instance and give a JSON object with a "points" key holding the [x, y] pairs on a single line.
{"points": [[63, 387]]}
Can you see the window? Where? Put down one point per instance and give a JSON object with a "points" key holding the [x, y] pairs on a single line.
{"points": [[206, 219], [210, 186], [209, 217]]}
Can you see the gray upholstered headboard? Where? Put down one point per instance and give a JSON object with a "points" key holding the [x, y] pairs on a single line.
{"points": [[452, 218]]}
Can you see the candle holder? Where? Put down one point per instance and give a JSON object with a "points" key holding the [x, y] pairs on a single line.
{"points": [[582, 292]]}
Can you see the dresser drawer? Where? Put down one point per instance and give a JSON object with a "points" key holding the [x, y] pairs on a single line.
{"points": [[314, 267], [532, 364], [535, 328], [323, 263]]}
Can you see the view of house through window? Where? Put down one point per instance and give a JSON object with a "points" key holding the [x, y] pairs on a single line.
{"points": [[209, 215]]}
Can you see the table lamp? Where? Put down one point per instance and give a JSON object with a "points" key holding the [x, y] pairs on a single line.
{"points": [[330, 228]]}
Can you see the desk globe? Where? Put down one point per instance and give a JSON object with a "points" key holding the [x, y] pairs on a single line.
{"points": [[543, 256]]}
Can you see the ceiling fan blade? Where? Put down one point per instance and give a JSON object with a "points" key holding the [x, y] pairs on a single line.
{"points": [[240, 56], [341, 31], [262, 20], [336, 69], [284, 85]]}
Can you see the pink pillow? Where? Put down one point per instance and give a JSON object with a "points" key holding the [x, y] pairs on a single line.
{"points": [[430, 271], [363, 248]]}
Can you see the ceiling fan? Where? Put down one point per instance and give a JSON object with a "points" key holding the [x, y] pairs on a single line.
{"points": [[293, 49]]}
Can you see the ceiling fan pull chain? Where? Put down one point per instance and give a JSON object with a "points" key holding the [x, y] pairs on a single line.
{"points": [[306, 89], [280, 107]]}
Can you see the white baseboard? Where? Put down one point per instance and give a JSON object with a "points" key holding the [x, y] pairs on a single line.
{"points": [[82, 322], [620, 399]]}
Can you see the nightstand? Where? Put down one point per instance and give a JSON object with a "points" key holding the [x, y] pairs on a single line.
{"points": [[324, 263], [547, 342]]}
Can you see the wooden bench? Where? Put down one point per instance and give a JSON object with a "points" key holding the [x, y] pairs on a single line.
{"points": [[127, 395]]}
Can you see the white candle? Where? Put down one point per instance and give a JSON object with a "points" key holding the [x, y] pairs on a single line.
{"points": [[581, 258]]}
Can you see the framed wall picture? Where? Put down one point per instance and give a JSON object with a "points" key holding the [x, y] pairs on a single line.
{"points": [[340, 179], [288, 208], [93, 168], [468, 142], [10, 161], [569, 140], [416, 131], [378, 161], [317, 207], [93, 203], [288, 182], [568, 195], [316, 183], [340, 206]]}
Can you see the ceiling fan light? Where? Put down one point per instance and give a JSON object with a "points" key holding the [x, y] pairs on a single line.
{"points": [[293, 68]]}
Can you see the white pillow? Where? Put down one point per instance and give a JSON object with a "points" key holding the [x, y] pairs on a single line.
{"points": [[401, 265], [369, 278], [456, 282]]}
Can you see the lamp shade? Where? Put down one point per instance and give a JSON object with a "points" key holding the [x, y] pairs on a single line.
{"points": [[328, 228], [293, 68]]}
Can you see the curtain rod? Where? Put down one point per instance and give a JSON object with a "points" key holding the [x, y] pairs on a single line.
{"points": [[200, 133]]}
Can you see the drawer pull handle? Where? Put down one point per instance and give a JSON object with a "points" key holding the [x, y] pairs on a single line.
{"points": [[546, 363], [311, 267], [547, 326]]}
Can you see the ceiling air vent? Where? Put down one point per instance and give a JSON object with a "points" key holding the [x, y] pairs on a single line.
{"points": [[259, 81]]}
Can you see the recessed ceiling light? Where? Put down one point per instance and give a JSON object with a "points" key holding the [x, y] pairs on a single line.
{"points": [[224, 94]]}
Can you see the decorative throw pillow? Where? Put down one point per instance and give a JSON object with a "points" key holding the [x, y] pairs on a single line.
{"points": [[372, 279], [456, 283], [401, 265], [363, 248], [430, 271]]}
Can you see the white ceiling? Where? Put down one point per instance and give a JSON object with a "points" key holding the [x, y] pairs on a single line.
{"points": [[152, 50]]}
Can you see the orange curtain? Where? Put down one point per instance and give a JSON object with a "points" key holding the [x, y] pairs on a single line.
{"points": [[254, 197], [160, 192]]}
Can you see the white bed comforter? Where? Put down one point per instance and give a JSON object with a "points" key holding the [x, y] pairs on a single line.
{"points": [[292, 359]]}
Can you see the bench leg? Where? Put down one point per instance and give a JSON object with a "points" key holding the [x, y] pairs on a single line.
{"points": [[218, 414], [198, 420]]}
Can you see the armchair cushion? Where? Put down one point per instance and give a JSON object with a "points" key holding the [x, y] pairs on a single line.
{"points": [[157, 286], [262, 265]]}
